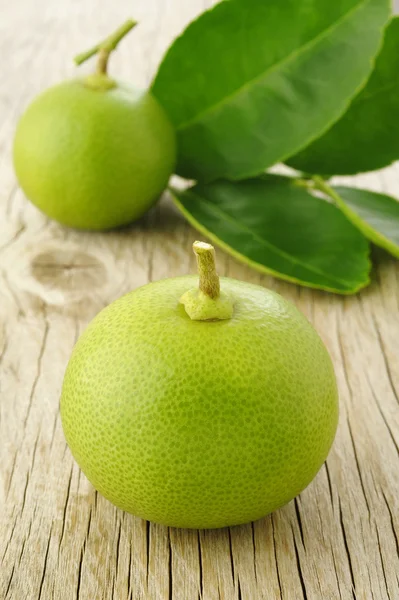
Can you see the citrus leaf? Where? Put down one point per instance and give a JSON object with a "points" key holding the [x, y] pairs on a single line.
{"points": [[367, 136], [249, 84], [375, 215], [280, 228]]}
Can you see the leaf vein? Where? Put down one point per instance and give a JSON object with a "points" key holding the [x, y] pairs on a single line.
{"points": [[264, 242], [292, 56]]}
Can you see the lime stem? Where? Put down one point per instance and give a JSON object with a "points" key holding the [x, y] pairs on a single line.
{"points": [[209, 282], [105, 47]]}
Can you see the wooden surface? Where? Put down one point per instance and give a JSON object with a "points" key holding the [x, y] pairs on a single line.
{"points": [[59, 539]]}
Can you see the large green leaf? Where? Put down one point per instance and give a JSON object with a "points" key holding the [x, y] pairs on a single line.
{"points": [[251, 82], [278, 227], [367, 136], [375, 215]]}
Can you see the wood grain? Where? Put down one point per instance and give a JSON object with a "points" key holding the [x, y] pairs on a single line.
{"points": [[59, 539]]}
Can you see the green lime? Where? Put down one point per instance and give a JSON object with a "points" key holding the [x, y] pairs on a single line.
{"points": [[94, 153], [201, 407]]}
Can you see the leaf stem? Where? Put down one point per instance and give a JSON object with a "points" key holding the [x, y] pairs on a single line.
{"points": [[209, 282], [304, 183], [321, 185], [105, 47]]}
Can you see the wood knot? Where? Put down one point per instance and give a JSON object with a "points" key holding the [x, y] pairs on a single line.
{"points": [[70, 270]]}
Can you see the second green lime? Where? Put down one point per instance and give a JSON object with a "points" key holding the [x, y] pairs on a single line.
{"points": [[94, 153]]}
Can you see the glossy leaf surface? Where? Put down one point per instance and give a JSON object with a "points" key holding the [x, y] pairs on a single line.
{"points": [[249, 84], [367, 136], [376, 215], [280, 228]]}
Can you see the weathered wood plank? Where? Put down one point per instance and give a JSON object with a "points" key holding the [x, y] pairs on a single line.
{"points": [[59, 538]]}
